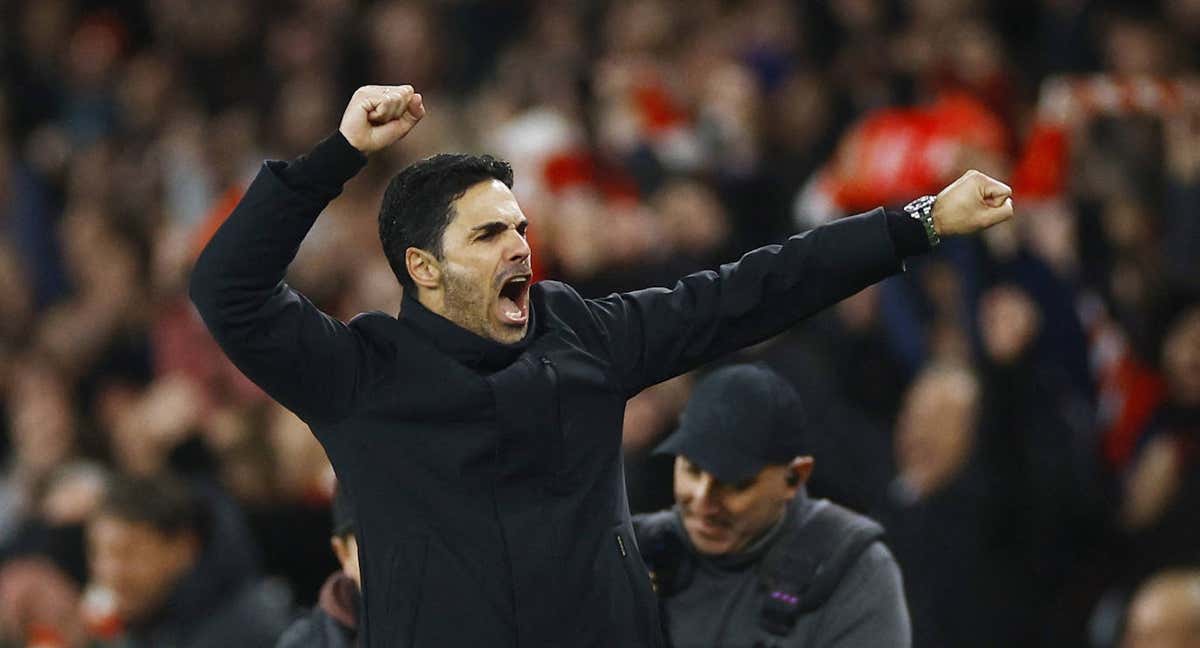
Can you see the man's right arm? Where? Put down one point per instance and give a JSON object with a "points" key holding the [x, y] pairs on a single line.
{"points": [[308, 361]]}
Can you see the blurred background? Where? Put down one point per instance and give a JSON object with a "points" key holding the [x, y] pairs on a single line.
{"points": [[1021, 410]]}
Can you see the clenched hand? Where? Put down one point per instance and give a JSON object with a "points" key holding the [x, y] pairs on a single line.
{"points": [[378, 116], [970, 204]]}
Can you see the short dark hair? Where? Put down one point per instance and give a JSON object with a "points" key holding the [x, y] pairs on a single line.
{"points": [[416, 205], [166, 503]]}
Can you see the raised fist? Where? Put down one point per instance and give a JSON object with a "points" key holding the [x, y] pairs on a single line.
{"points": [[379, 115], [970, 204]]}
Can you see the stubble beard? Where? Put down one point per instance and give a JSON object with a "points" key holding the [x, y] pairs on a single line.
{"points": [[467, 305]]}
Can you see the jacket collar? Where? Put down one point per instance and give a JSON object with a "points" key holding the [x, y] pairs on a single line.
{"points": [[466, 347]]}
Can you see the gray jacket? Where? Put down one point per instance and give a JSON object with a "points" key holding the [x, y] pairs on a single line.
{"points": [[721, 602]]}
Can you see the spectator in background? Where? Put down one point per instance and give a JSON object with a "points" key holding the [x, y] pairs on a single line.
{"points": [[161, 574], [52, 527], [1165, 613], [941, 516], [42, 432], [1161, 503], [990, 497], [746, 557], [333, 622]]}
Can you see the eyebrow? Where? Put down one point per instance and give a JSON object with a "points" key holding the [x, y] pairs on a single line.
{"points": [[495, 227]]}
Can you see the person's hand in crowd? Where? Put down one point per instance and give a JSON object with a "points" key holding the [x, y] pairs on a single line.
{"points": [[378, 116], [972, 203], [155, 422], [651, 413]]}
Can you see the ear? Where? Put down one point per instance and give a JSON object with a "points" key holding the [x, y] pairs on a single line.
{"points": [[799, 470], [423, 267]]}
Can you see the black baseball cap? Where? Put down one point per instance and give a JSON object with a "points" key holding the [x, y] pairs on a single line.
{"points": [[740, 419]]}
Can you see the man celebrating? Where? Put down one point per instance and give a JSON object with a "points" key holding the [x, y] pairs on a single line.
{"points": [[478, 434], [746, 558]]}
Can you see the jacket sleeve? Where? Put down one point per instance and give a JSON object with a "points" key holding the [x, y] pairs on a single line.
{"points": [[308, 361], [868, 608], [658, 333]]}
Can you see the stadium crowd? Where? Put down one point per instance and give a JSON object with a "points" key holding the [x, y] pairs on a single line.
{"points": [[1020, 411]]}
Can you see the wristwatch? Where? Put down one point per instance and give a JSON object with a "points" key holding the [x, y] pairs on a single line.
{"points": [[922, 210]]}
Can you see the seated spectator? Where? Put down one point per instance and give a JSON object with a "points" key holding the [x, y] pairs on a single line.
{"points": [[160, 577], [746, 557], [333, 623], [1165, 613]]}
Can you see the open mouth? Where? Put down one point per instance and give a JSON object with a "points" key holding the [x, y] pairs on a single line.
{"points": [[513, 304]]}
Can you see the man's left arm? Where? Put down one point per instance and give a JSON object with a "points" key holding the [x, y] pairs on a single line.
{"points": [[658, 333], [868, 608]]}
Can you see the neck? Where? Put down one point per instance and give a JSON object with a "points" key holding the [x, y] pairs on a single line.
{"points": [[771, 528], [433, 300], [467, 346]]}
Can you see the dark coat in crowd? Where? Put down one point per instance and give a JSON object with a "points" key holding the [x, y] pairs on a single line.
{"points": [[487, 478], [332, 623]]}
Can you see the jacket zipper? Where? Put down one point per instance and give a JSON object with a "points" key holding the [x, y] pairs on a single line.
{"points": [[560, 456]]}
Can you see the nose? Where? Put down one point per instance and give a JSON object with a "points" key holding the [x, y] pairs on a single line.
{"points": [[703, 493], [519, 250]]}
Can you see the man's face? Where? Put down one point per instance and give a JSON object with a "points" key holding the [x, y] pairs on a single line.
{"points": [[725, 518], [137, 563], [1181, 360], [486, 264], [935, 430]]}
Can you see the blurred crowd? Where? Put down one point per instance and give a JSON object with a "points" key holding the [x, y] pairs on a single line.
{"points": [[1021, 411]]}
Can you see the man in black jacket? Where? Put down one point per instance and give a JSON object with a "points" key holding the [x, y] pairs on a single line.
{"points": [[478, 434]]}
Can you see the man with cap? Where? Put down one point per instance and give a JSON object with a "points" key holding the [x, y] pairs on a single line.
{"points": [[333, 622], [746, 558]]}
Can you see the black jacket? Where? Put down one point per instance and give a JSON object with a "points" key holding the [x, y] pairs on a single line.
{"points": [[487, 479]]}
